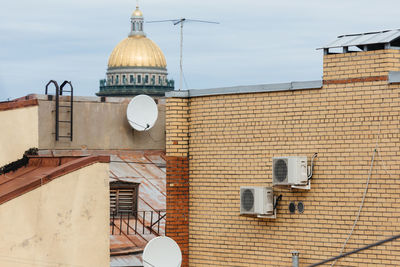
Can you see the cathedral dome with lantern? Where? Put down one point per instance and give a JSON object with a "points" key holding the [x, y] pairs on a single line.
{"points": [[136, 65]]}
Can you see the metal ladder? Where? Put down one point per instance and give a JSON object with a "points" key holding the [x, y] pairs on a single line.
{"points": [[63, 106]]}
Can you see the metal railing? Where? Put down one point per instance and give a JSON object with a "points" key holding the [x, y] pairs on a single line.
{"points": [[138, 222]]}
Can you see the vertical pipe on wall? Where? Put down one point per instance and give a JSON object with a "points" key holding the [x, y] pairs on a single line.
{"points": [[295, 258]]}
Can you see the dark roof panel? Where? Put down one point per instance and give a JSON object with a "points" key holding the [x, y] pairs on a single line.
{"points": [[360, 39]]}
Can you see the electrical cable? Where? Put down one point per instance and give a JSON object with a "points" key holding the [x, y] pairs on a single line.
{"points": [[357, 250], [364, 194], [144, 128], [312, 166], [277, 201], [154, 140]]}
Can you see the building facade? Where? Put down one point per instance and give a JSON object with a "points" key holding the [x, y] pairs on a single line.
{"points": [[219, 140], [136, 65]]}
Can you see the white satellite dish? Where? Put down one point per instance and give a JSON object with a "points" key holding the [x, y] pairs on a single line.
{"points": [[142, 113], [162, 251]]}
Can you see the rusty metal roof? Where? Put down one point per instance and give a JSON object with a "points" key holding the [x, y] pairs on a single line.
{"points": [[132, 260], [39, 171], [18, 103], [148, 169]]}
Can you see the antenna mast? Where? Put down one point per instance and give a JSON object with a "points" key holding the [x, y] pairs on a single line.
{"points": [[176, 22]]}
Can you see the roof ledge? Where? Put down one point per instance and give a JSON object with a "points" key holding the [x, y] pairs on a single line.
{"points": [[27, 179], [394, 77], [262, 88], [19, 103]]}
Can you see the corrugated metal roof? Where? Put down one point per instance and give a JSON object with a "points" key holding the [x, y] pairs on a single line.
{"points": [[133, 260], [368, 38], [148, 169]]}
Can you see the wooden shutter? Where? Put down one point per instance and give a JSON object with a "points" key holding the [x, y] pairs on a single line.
{"points": [[113, 201], [123, 197]]}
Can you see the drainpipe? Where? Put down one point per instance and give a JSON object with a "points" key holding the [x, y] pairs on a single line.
{"points": [[295, 258]]}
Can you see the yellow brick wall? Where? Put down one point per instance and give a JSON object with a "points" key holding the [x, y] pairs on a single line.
{"points": [[177, 126], [234, 137], [361, 64]]}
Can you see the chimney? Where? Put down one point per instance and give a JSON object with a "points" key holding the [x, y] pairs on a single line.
{"points": [[364, 57]]}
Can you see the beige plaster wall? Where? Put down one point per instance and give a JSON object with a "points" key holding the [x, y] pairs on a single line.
{"points": [[62, 223], [99, 125], [19, 132]]}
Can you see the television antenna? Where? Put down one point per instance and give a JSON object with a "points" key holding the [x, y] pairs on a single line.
{"points": [[181, 21]]}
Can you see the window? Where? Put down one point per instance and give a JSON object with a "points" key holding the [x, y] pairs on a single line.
{"points": [[131, 78], [117, 79], [159, 80], [123, 79], [139, 78], [146, 79], [123, 198]]}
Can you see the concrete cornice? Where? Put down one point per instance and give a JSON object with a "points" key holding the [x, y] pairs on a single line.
{"points": [[247, 89]]}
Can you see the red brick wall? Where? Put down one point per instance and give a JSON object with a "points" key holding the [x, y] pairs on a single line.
{"points": [[178, 203]]}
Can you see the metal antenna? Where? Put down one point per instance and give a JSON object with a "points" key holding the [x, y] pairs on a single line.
{"points": [[181, 22]]}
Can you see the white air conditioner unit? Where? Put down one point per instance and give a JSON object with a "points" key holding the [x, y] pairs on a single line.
{"points": [[256, 200], [290, 171]]}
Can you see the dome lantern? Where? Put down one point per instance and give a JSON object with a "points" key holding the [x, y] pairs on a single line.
{"points": [[137, 23]]}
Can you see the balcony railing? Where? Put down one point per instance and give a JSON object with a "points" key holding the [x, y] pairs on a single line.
{"points": [[138, 222], [107, 85]]}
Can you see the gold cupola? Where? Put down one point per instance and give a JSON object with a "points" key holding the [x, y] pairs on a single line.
{"points": [[137, 50], [136, 65]]}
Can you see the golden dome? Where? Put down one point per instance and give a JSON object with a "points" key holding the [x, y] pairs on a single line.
{"points": [[137, 13], [137, 51]]}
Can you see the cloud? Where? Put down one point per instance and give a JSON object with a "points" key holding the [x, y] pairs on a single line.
{"points": [[256, 42]]}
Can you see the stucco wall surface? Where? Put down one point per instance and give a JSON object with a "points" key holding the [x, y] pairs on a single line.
{"points": [[98, 125], [62, 223], [19, 132], [232, 139]]}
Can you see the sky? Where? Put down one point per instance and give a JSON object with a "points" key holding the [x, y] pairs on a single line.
{"points": [[256, 42]]}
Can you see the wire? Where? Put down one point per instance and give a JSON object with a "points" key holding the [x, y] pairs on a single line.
{"points": [[154, 140], [144, 128], [312, 166], [364, 194], [357, 250]]}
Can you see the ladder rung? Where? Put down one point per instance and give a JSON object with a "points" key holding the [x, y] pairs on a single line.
{"points": [[65, 136], [66, 91], [64, 106], [65, 121]]}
